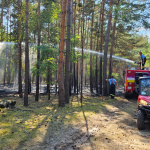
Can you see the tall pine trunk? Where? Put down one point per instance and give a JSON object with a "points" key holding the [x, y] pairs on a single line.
{"points": [[82, 41], [96, 67], [74, 64], [5, 67], [112, 42], [91, 56], [67, 62], [77, 68], [71, 64], [10, 28], [20, 51], [77, 75], [1, 22], [105, 92], [101, 46], [9, 55], [26, 55], [61, 57], [38, 55], [48, 68]]}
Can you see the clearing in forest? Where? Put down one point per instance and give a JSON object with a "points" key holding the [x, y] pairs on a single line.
{"points": [[104, 125]]}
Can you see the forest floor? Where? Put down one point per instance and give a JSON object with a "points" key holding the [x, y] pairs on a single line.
{"points": [[98, 125]]}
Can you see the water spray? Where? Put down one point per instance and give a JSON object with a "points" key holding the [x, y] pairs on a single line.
{"points": [[3, 44], [102, 54]]}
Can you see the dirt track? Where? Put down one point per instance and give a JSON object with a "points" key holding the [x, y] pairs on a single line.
{"points": [[113, 128], [99, 125]]}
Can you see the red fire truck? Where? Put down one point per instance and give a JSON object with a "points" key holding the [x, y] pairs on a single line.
{"points": [[131, 83]]}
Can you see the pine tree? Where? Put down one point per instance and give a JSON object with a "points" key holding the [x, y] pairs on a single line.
{"points": [[38, 54], [61, 57], [26, 55], [106, 49]]}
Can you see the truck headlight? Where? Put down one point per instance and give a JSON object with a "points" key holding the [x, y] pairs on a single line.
{"points": [[129, 87], [142, 102]]}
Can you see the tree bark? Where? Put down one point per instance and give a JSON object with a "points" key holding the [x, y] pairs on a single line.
{"points": [[5, 67], [91, 56], [105, 92], [1, 26], [1, 22], [38, 54], [61, 57], [9, 54], [8, 68], [10, 27], [48, 69], [96, 67], [20, 51], [101, 46], [71, 63], [74, 64], [82, 41], [67, 62], [49, 79], [26, 55], [112, 43], [87, 34]]}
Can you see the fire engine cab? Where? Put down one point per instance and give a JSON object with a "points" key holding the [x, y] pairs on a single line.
{"points": [[131, 82]]}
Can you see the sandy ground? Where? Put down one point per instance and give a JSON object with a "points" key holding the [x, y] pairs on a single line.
{"points": [[112, 129]]}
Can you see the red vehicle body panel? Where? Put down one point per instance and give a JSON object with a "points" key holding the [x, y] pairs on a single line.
{"points": [[145, 98], [129, 85]]}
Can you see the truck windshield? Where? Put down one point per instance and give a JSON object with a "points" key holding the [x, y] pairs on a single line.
{"points": [[145, 87]]}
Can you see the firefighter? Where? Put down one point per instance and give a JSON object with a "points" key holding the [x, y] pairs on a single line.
{"points": [[143, 58], [113, 84]]}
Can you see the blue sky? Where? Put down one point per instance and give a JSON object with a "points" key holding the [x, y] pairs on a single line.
{"points": [[144, 32], [141, 29]]}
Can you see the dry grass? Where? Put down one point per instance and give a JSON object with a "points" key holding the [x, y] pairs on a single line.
{"points": [[98, 124], [22, 125]]}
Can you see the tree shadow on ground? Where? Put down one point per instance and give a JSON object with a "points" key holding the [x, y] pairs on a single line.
{"points": [[62, 133], [129, 106], [71, 127]]}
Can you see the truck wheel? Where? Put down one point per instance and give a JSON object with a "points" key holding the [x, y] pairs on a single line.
{"points": [[140, 120]]}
